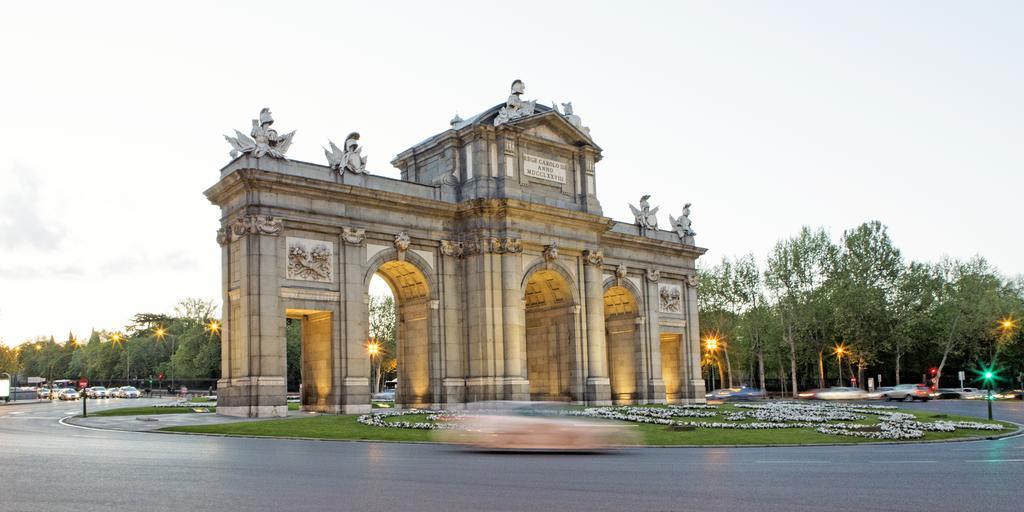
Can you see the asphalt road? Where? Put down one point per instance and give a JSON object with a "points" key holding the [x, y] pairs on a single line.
{"points": [[46, 466]]}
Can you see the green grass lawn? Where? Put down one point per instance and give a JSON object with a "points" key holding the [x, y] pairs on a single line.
{"points": [[148, 410], [318, 427], [346, 427]]}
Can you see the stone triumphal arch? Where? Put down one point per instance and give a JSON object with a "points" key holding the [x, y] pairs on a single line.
{"points": [[509, 282]]}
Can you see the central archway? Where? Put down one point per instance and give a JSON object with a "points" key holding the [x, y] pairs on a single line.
{"points": [[550, 336], [411, 290]]}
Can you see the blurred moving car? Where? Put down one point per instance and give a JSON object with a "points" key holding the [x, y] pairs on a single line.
{"points": [[878, 392], [96, 392], [908, 393], [958, 393], [534, 426], [68, 394], [835, 393], [43, 393], [55, 393], [740, 393], [1008, 394]]}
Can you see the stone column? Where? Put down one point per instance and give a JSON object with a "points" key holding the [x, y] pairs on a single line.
{"points": [[513, 314], [695, 379], [355, 365], [453, 381], [256, 387], [655, 383], [598, 390]]}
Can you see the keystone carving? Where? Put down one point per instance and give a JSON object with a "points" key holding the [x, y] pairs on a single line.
{"points": [[450, 248], [653, 275], [593, 257], [551, 252], [691, 280], [402, 242], [621, 271]]}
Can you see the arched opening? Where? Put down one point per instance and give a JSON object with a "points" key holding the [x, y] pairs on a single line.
{"points": [[411, 293], [308, 357], [621, 316], [550, 331]]}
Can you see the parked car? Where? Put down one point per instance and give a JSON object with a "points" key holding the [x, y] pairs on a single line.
{"points": [[128, 392], [43, 393], [835, 393], [740, 393], [68, 394], [959, 393], [908, 393]]}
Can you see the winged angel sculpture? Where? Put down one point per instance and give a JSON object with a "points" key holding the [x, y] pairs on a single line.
{"points": [[683, 225], [264, 139], [646, 217], [350, 159]]}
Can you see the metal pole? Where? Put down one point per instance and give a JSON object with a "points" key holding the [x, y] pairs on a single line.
{"points": [[989, 400], [84, 397]]}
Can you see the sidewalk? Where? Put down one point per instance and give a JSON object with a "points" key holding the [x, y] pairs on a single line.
{"points": [[23, 402], [150, 422]]}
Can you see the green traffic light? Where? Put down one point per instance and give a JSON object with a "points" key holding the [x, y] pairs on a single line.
{"points": [[989, 375]]}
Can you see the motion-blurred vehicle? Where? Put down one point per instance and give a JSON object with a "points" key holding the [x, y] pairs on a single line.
{"points": [[835, 393], [1008, 394], [958, 393], [96, 392], [534, 426], [877, 393], [55, 392], [43, 393], [740, 393], [128, 392], [68, 394], [908, 393]]}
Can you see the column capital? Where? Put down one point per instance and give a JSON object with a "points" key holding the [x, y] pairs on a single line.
{"points": [[592, 257]]}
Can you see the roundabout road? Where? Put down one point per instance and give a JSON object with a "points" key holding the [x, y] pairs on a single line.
{"points": [[46, 466]]}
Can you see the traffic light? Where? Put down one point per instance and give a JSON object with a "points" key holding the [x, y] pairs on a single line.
{"points": [[933, 371]]}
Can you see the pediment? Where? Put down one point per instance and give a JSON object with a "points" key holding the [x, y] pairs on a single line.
{"points": [[553, 127]]}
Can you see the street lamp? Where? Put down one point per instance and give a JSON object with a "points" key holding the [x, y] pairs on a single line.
{"points": [[840, 350], [213, 327], [160, 333], [712, 346], [373, 349]]}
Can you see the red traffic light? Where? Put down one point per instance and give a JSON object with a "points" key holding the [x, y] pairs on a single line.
{"points": [[934, 370]]}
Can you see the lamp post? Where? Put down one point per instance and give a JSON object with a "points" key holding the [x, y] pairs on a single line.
{"points": [[712, 345], [989, 375], [840, 350], [161, 333], [373, 349]]}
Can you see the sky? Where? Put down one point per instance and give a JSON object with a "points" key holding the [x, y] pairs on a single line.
{"points": [[766, 115]]}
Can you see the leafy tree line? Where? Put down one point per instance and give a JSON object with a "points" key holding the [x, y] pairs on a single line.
{"points": [[185, 344], [819, 311]]}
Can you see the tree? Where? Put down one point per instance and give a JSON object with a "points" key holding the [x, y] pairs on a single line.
{"points": [[382, 332], [863, 276], [796, 271]]}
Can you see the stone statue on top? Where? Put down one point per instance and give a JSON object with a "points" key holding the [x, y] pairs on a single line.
{"points": [[515, 107]]}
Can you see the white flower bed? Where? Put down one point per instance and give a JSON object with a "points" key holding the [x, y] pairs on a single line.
{"points": [[826, 418], [186, 403]]}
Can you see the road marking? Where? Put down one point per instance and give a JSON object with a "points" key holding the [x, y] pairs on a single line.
{"points": [[904, 461], [997, 460], [793, 462], [17, 412]]}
